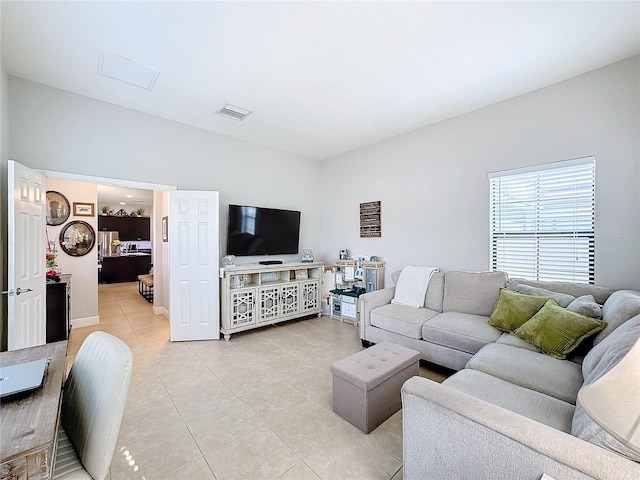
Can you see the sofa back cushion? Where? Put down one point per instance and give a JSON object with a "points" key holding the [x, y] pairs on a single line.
{"points": [[600, 294], [562, 299], [599, 361], [472, 292], [411, 286], [435, 291], [619, 307]]}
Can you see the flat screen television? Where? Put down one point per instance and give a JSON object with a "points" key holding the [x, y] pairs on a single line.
{"points": [[262, 231]]}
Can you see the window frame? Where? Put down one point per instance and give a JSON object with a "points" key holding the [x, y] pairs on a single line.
{"points": [[526, 239]]}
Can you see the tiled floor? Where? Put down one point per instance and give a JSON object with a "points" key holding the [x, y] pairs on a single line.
{"points": [[255, 408]]}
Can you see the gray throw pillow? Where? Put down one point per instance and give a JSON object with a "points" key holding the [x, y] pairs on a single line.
{"points": [[562, 299], [587, 306], [619, 307]]}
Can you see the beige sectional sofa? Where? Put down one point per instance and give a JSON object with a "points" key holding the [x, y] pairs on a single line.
{"points": [[453, 324], [510, 411]]}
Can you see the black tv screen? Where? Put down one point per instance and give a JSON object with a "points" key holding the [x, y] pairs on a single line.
{"points": [[262, 231]]}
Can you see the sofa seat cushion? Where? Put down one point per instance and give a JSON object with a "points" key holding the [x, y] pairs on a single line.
{"points": [[509, 339], [460, 331], [560, 379], [400, 319], [529, 403]]}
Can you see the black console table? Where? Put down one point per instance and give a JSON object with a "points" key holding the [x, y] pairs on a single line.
{"points": [[58, 309]]}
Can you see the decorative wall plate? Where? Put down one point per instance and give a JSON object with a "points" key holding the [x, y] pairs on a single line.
{"points": [[58, 208]]}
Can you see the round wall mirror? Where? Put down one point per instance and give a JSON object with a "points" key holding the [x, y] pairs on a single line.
{"points": [[58, 208], [77, 238]]}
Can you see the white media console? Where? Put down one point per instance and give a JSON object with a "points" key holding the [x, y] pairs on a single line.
{"points": [[253, 296]]}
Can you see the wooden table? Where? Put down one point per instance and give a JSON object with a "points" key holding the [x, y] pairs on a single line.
{"points": [[29, 423]]}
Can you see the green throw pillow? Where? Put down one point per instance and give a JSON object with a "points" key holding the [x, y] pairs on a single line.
{"points": [[513, 309], [557, 331]]}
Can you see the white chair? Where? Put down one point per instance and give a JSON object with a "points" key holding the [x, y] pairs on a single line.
{"points": [[93, 403]]}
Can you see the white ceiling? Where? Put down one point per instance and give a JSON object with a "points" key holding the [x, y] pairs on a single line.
{"points": [[133, 198], [322, 78]]}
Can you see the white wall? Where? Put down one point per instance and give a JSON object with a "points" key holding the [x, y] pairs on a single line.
{"points": [[59, 131], [432, 182], [160, 255], [4, 156], [84, 269], [434, 188]]}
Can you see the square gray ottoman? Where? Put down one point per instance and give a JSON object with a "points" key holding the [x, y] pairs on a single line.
{"points": [[366, 385]]}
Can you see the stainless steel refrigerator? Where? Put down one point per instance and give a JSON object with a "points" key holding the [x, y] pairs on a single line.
{"points": [[105, 242]]}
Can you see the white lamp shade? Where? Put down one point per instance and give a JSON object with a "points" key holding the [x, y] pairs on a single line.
{"points": [[613, 401]]}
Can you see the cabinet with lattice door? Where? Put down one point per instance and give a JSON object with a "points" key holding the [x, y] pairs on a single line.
{"points": [[257, 295], [242, 307]]}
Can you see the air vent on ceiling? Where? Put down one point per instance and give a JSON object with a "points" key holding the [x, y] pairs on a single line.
{"points": [[234, 112]]}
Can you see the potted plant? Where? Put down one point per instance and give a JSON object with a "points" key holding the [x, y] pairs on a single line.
{"points": [[105, 210], [140, 212]]}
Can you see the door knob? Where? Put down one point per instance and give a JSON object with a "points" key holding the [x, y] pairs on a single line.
{"points": [[17, 292]]}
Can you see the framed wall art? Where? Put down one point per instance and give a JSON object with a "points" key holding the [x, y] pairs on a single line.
{"points": [[84, 209], [370, 221], [165, 229]]}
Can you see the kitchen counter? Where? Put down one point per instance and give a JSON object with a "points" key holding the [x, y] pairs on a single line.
{"points": [[125, 267]]}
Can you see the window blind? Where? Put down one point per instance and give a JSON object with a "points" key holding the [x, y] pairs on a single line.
{"points": [[542, 221]]}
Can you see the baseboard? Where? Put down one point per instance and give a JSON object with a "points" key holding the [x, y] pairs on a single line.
{"points": [[85, 322], [161, 311]]}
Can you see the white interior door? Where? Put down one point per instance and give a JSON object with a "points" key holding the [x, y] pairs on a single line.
{"points": [[194, 287], [27, 325]]}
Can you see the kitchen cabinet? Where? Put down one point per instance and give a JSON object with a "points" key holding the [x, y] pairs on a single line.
{"points": [[58, 309], [128, 228], [124, 268], [109, 223], [139, 228]]}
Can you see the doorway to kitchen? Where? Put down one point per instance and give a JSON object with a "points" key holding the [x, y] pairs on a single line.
{"points": [[140, 249], [124, 233]]}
